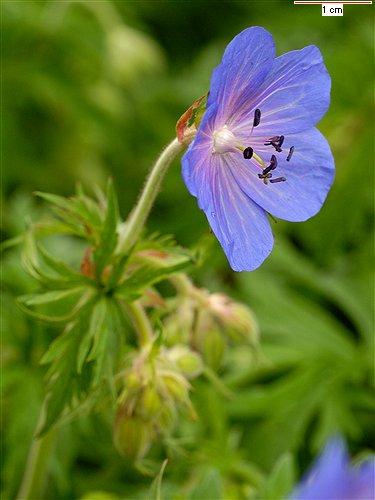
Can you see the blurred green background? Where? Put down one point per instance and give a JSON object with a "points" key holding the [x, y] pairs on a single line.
{"points": [[92, 89]]}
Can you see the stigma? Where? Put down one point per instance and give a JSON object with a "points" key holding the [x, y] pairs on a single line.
{"points": [[225, 141]]}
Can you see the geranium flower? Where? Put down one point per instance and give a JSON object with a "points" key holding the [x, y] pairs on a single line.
{"points": [[332, 477], [256, 149]]}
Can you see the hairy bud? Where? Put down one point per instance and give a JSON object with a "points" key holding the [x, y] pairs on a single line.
{"points": [[237, 319], [155, 388], [212, 346], [132, 436], [188, 361]]}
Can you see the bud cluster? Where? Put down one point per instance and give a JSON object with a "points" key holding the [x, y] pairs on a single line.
{"points": [[207, 322], [156, 387]]}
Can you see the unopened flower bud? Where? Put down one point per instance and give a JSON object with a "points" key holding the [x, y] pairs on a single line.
{"points": [[150, 403], [189, 362], [212, 346], [167, 417], [237, 319], [178, 325], [132, 436], [133, 381], [176, 386]]}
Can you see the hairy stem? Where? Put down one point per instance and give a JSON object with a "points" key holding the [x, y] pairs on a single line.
{"points": [[138, 216], [35, 475]]}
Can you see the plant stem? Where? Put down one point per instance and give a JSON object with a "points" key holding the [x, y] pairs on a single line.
{"points": [[141, 323], [35, 474], [138, 216], [185, 286]]}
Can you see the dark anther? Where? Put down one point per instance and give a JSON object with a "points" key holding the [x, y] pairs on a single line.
{"points": [[248, 153], [256, 118], [290, 153], [272, 140], [276, 142], [273, 161], [272, 165], [278, 179]]}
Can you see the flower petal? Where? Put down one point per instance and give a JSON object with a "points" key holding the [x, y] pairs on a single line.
{"points": [[294, 96], [246, 62], [329, 477], [240, 225], [363, 480], [309, 176]]}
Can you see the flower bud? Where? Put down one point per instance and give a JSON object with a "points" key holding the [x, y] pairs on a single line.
{"points": [[150, 404], [212, 346], [176, 386], [167, 417], [132, 436], [187, 361], [133, 381], [178, 325], [237, 319]]}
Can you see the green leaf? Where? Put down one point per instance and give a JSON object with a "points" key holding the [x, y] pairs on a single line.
{"points": [[56, 200], [62, 269], [34, 299], [117, 271], [281, 480], [82, 302], [148, 274], [108, 233], [57, 347], [210, 486], [93, 335], [155, 490], [61, 376], [80, 213]]}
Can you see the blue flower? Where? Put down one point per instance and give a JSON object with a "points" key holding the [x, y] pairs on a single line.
{"points": [[257, 149], [332, 477]]}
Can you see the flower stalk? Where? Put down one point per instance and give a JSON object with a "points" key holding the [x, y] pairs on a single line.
{"points": [[35, 474], [135, 223]]}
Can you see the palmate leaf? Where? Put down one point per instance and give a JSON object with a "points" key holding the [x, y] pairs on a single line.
{"points": [[80, 213], [82, 359], [312, 359], [150, 273], [62, 374], [52, 273], [34, 299], [108, 234], [26, 301]]}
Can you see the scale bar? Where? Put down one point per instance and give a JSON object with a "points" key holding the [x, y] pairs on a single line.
{"points": [[343, 2]]}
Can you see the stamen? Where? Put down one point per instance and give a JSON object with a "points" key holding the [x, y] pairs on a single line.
{"points": [[272, 140], [272, 165], [278, 179], [290, 153], [248, 153], [257, 115], [275, 141]]}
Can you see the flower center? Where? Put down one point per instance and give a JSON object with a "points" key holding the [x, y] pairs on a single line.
{"points": [[225, 141]]}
